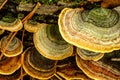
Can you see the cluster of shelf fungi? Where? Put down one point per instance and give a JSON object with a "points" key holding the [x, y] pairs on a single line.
{"points": [[83, 45]]}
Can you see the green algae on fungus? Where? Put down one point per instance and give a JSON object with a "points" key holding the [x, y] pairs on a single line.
{"points": [[46, 37], [11, 24], [96, 30]]}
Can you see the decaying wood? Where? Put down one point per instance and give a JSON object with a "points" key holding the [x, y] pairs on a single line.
{"points": [[107, 3], [47, 9]]}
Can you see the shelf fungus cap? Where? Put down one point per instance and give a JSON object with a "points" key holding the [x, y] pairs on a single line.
{"points": [[16, 25], [15, 48], [89, 55], [97, 30], [50, 44], [37, 65], [68, 70], [31, 26], [14, 76], [8, 65], [98, 70]]}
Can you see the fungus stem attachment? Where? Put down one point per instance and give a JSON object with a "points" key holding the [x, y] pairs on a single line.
{"points": [[3, 4], [23, 21]]}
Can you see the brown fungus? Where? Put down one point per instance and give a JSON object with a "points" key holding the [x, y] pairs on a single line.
{"points": [[13, 76], [68, 70], [36, 65], [8, 65], [98, 70]]}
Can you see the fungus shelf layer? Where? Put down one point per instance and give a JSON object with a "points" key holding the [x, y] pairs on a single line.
{"points": [[96, 30]]}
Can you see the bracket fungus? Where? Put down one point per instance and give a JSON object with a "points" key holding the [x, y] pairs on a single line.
{"points": [[31, 26], [68, 70], [16, 25], [97, 30], [36, 65], [48, 41], [99, 70], [89, 55], [8, 65], [14, 76], [15, 48]]}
